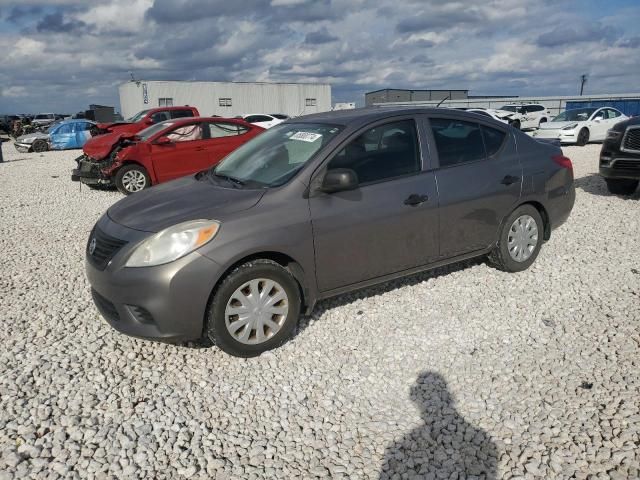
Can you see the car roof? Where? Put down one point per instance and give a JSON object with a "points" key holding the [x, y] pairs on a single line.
{"points": [[75, 120], [371, 114], [186, 120]]}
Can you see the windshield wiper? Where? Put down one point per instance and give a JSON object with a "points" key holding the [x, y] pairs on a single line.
{"points": [[229, 178]]}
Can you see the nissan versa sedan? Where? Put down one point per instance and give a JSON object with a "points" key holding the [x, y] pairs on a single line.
{"points": [[318, 206]]}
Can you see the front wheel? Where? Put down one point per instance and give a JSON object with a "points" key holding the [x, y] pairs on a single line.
{"points": [[520, 240], [516, 124], [40, 145], [621, 186], [255, 309], [583, 137], [132, 178]]}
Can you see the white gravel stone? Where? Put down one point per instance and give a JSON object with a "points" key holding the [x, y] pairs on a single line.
{"points": [[464, 372]]}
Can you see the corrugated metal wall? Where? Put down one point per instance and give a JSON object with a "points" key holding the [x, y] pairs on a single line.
{"points": [[288, 98]]}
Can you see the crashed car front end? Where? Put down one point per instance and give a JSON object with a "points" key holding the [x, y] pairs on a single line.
{"points": [[100, 168]]}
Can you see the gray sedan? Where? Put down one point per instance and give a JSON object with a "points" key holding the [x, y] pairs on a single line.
{"points": [[318, 206]]}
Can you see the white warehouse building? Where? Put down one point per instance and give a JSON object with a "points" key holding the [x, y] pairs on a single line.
{"points": [[226, 99]]}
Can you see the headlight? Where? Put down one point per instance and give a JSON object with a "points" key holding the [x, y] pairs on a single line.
{"points": [[613, 135], [570, 127], [173, 242]]}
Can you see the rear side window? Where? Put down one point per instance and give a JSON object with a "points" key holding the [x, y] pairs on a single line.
{"points": [[493, 139], [181, 113], [66, 128], [219, 130], [457, 141], [535, 108], [381, 153], [461, 142]]}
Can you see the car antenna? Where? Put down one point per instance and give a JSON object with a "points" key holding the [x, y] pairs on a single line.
{"points": [[445, 98]]}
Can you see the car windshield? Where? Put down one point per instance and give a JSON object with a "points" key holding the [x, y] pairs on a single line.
{"points": [[137, 117], [149, 132], [509, 108], [576, 115], [43, 116], [275, 156]]}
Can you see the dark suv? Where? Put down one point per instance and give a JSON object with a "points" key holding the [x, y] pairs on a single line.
{"points": [[620, 157], [318, 206]]}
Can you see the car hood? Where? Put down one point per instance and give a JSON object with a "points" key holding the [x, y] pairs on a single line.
{"points": [[101, 146], [179, 201], [556, 125], [31, 137]]}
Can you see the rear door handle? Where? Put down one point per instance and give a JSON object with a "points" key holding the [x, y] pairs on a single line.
{"points": [[415, 199], [509, 179]]}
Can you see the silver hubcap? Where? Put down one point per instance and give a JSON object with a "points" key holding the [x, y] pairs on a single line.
{"points": [[133, 181], [256, 311], [523, 238]]}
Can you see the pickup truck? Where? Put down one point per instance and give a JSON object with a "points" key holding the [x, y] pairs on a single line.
{"points": [[144, 119]]}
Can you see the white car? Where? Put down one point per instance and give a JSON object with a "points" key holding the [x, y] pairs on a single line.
{"points": [[264, 120], [581, 125], [503, 116], [532, 115], [43, 119]]}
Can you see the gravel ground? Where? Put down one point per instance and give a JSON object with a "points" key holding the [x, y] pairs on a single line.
{"points": [[531, 375]]}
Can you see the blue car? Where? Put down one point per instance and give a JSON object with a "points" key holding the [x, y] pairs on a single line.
{"points": [[60, 136]]}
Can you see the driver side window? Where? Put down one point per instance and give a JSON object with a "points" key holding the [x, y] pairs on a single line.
{"points": [[186, 133], [381, 153]]}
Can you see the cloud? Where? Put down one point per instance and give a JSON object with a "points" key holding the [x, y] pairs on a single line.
{"points": [[572, 34], [320, 36], [66, 54]]}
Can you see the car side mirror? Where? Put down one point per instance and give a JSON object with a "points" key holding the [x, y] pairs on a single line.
{"points": [[149, 121], [163, 141], [339, 180]]}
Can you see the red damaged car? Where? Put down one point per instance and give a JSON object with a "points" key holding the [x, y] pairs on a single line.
{"points": [[161, 152]]}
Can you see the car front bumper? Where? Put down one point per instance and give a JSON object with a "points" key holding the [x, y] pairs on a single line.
{"points": [[565, 136], [624, 166], [166, 302], [22, 147], [89, 173]]}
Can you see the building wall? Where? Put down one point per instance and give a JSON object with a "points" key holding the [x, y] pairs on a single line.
{"points": [[288, 98], [627, 102], [390, 95]]}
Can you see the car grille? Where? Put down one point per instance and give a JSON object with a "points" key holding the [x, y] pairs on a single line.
{"points": [[627, 165], [631, 141], [105, 307], [105, 248]]}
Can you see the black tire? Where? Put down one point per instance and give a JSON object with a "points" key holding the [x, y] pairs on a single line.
{"points": [[500, 257], [583, 137], [621, 186], [40, 145], [542, 120], [125, 187], [216, 329], [516, 124]]}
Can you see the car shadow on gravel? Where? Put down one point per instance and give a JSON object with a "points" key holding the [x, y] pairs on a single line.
{"points": [[595, 185], [445, 446]]}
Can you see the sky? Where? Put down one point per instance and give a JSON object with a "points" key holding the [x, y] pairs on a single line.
{"points": [[61, 55]]}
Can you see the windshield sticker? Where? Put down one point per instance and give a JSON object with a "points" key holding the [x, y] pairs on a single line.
{"points": [[306, 136]]}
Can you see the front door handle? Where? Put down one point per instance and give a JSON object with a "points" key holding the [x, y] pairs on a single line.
{"points": [[199, 149], [509, 179], [415, 199]]}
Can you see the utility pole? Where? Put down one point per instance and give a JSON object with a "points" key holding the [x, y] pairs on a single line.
{"points": [[583, 80]]}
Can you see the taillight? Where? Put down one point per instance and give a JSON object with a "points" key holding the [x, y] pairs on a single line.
{"points": [[564, 162]]}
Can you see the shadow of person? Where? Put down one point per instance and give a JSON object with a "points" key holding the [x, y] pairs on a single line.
{"points": [[445, 445]]}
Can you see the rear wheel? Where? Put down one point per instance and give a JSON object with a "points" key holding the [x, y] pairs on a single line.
{"points": [[40, 145], [621, 186], [255, 309], [516, 124], [520, 240], [583, 137], [132, 178]]}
